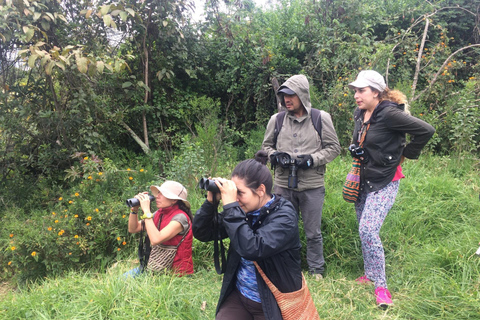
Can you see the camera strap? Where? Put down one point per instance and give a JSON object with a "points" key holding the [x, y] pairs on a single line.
{"points": [[216, 239]]}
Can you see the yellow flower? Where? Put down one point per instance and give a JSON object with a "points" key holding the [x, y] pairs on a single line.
{"points": [[53, 213], [70, 201], [86, 158], [89, 178], [65, 210], [49, 229], [130, 178], [339, 104], [9, 262], [76, 194], [11, 235], [118, 249], [13, 248], [96, 209], [89, 218], [69, 253], [34, 254], [60, 199], [118, 238], [76, 236], [66, 215], [123, 216], [76, 216], [61, 232], [56, 221], [128, 169], [124, 243], [141, 170], [100, 173], [345, 94], [78, 243], [88, 224]]}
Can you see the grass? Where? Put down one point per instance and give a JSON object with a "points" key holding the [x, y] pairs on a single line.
{"points": [[429, 237]]}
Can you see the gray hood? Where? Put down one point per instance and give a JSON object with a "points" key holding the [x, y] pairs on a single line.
{"points": [[299, 84]]}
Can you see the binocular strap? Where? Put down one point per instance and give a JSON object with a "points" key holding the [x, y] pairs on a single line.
{"points": [[216, 239]]}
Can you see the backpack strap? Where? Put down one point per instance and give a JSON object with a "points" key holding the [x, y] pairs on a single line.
{"points": [[317, 122], [316, 116], [278, 126]]}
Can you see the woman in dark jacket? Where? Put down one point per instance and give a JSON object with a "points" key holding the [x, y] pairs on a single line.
{"points": [[382, 120], [262, 227]]}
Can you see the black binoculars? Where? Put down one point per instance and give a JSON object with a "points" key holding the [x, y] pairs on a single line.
{"points": [[208, 184], [133, 202], [358, 152]]}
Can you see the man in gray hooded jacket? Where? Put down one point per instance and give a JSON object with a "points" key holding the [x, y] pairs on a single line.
{"points": [[299, 138]]}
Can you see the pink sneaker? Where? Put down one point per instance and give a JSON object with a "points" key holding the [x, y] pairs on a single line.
{"points": [[364, 280], [384, 298]]}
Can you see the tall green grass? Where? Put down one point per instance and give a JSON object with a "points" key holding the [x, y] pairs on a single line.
{"points": [[429, 237]]}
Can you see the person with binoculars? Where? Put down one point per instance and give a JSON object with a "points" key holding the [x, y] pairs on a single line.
{"points": [[299, 144], [262, 228], [168, 225], [381, 122]]}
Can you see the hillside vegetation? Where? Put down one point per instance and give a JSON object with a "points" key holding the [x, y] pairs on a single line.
{"points": [[430, 237]]}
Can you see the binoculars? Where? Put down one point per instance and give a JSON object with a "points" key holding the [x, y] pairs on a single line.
{"points": [[209, 185], [133, 202]]}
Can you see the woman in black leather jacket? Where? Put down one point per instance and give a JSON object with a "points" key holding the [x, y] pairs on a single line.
{"points": [[262, 227], [383, 121]]}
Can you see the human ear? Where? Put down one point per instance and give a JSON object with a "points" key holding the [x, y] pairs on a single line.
{"points": [[261, 190]]}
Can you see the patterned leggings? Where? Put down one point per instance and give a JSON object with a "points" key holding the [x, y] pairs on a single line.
{"points": [[371, 209]]}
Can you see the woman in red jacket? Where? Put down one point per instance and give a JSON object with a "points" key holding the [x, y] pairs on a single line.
{"points": [[169, 223]]}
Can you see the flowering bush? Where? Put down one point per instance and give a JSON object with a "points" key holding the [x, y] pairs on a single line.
{"points": [[86, 225]]}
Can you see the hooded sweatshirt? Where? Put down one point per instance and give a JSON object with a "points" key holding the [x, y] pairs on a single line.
{"points": [[299, 137]]}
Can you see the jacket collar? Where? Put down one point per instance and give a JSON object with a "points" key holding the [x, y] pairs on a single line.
{"points": [[378, 109]]}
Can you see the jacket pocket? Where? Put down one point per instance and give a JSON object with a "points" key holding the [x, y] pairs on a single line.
{"points": [[388, 160]]}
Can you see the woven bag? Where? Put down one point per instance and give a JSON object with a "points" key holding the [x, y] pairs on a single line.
{"points": [[351, 187], [296, 305], [162, 256]]}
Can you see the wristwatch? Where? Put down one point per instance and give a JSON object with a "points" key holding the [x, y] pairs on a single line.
{"points": [[148, 215]]}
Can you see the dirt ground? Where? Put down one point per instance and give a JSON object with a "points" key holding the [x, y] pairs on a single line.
{"points": [[5, 288]]}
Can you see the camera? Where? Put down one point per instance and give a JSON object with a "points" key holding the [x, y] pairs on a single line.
{"points": [[133, 202], [208, 184], [285, 161], [358, 152]]}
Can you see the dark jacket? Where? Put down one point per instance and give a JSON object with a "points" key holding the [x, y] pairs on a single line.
{"points": [[273, 241], [385, 142]]}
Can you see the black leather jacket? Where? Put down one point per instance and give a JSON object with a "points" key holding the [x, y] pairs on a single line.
{"points": [[273, 241], [385, 142]]}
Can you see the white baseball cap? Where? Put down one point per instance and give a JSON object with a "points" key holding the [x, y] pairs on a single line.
{"points": [[172, 190], [369, 78]]}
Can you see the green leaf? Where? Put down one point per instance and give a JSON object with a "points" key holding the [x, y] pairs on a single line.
{"points": [[29, 33], [61, 65], [107, 19], [104, 9], [100, 66], [126, 84], [130, 10], [31, 60], [82, 64], [123, 16], [49, 67]]}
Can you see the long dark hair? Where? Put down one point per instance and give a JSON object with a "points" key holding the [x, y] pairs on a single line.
{"points": [[254, 174], [182, 206]]}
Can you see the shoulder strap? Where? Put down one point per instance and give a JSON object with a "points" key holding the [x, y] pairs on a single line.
{"points": [[317, 121], [316, 116], [278, 126]]}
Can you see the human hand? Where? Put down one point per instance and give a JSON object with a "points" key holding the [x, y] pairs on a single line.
{"points": [[228, 190], [144, 200], [305, 162], [273, 158]]}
